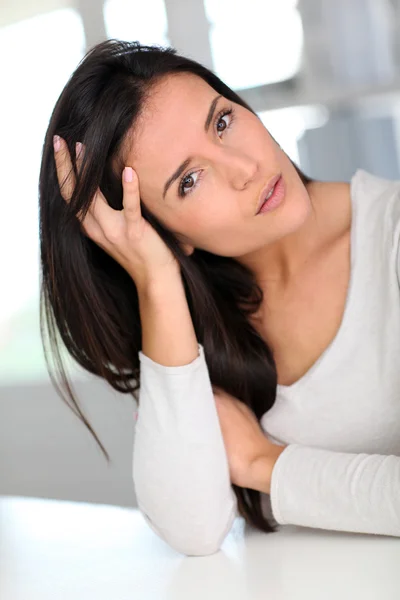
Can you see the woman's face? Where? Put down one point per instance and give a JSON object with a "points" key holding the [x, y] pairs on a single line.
{"points": [[230, 157]]}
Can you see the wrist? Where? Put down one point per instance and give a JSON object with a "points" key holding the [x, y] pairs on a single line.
{"points": [[158, 282], [262, 467], [163, 286]]}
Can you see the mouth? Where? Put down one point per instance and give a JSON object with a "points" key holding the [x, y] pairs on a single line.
{"points": [[267, 192]]}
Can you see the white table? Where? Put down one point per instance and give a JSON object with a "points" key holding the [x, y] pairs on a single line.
{"points": [[52, 550]]}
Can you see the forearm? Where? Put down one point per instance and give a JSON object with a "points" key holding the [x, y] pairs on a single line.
{"points": [[168, 335], [180, 468], [320, 488]]}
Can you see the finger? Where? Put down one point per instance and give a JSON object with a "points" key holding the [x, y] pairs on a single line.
{"points": [[90, 224], [131, 195], [79, 154], [65, 174], [103, 220], [99, 210], [99, 206]]}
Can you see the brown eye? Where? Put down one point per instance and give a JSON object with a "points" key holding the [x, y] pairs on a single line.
{"points": [[192, 180], [221, 122], [189, 179]]}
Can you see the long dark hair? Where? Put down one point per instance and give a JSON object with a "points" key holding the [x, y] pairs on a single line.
{"points": [[87, 298]]}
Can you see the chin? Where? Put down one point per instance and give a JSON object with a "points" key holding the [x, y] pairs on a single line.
{"points": [[295, 213], [301, 209]]}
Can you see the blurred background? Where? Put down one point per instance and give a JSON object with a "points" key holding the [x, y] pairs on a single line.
{"points": [[323, 75]]}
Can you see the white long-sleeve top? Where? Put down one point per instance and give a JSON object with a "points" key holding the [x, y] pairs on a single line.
{"points": [[340, 421]]}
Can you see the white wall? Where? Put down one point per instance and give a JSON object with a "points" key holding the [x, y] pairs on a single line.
{"points": [[45, 451]]}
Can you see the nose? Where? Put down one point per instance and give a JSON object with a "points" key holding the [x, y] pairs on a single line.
{"points": [[240, 168]]}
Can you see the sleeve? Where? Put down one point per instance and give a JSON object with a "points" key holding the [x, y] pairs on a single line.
{"points": [[180, 467], [336, 490]]}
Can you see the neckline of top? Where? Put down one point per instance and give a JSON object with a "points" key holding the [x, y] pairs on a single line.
{"points": [[328, 350]]}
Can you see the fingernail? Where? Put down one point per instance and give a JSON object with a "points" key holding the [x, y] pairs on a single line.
{"points": [[78, 148], [56, 143], [128, 174]]}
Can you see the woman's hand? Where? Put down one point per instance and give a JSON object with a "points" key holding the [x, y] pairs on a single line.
{"points": [[251, 455], [124, 234]]}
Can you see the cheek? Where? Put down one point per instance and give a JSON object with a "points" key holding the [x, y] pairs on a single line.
{"points": [[211, 218], [217, 230]]}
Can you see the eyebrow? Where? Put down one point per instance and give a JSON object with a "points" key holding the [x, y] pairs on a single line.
{"points": [[186, 163]]}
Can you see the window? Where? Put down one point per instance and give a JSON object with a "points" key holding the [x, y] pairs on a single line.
{"points": [[288, 125], [134, 20], [254, 42]]}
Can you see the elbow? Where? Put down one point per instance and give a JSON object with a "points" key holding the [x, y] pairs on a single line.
{"points": [[195, 541], [199, 547], [202, 545]]}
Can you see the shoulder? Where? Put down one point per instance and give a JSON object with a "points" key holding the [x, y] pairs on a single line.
{"points": [[376, 202], [367, 198], [368, 186]]}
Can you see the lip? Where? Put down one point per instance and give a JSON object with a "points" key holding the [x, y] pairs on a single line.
{"points": [[265, 191]]}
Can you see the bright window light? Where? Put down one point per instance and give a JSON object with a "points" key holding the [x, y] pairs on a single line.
{"points": [[255, 42], [135, 20], [288, 125]]}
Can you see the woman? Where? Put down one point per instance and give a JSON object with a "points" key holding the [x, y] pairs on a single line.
{"points": [[264, 344]]}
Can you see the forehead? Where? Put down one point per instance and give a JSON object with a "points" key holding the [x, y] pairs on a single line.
{"points": [[175, 95], [170, 127]]}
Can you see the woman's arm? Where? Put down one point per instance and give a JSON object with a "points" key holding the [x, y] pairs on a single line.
{"points": [[336, 490], [309, 486], [180, 468]]}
